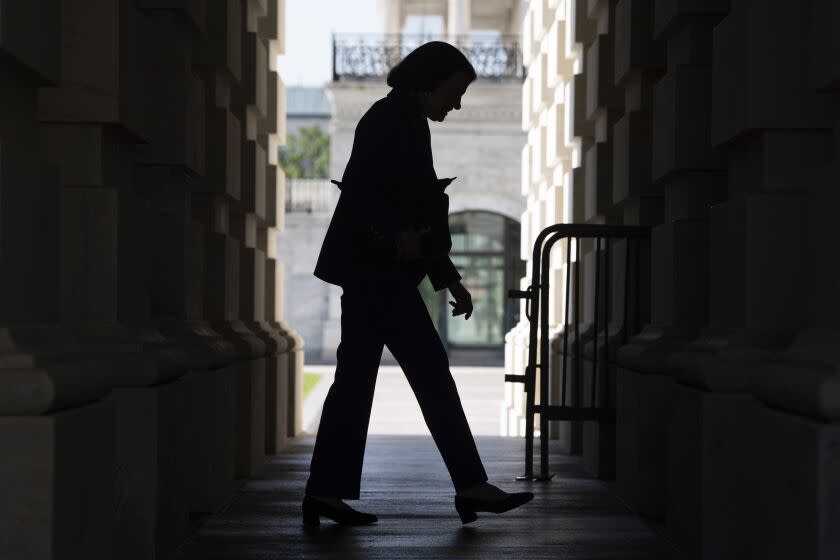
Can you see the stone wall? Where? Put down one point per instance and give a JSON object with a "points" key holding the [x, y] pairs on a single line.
{"points": [[727, 407], [145, 365]]}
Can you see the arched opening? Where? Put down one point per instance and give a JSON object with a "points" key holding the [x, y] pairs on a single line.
{"points": [[485, 249]]}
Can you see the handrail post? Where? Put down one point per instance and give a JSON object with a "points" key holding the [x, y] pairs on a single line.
{"points": [[334, 59], [593, 385], [607, 310], [566, 319]]}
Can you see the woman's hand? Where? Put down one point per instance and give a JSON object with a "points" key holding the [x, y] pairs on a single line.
{"points": [[463, 300], [409, 247]]}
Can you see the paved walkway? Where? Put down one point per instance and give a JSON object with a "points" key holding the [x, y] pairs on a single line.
{"points": [[405, 483], [395, 409]]}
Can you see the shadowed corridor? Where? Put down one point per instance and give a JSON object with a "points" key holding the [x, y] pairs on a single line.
{"points": [[406, 484]]}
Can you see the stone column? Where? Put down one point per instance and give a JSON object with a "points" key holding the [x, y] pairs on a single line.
{"points": [[689, 173], [97, 141], [562, 149], [295, 354], [536, 95], [218, 206], [42, 396], [603, 104], [550, 52], [91, 120], [458, 16], [639, 63], [117, 242], [270, 128], [391, 12], [284, 380], [780, 142]]}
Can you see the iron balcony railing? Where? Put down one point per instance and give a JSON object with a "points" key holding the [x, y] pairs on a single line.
{"points": [[371, 56], [582, 397], [310, 195]]}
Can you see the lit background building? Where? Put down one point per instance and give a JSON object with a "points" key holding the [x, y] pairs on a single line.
{"points": [[479, 144]]}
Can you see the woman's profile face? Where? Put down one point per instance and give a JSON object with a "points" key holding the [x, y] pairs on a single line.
{"points": [[446, 96]]}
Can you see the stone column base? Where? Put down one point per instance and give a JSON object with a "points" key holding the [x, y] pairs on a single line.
{"points": [[796, 477], [212, 445], [55, 479], [152, 442], [643, 412], [709, 470]]}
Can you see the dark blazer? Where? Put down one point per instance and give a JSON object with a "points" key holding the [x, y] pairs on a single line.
{"points": [[389, 185]]}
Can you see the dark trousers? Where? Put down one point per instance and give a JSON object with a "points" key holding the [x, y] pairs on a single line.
{"points": [[374, 316]]}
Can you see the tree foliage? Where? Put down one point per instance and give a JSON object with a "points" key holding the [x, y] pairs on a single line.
{"points": [[306, 154]]}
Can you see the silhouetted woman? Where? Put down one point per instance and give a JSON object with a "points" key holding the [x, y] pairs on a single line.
{"points": [[389, 230]]}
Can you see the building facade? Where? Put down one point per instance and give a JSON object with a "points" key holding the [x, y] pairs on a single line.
{"points": [[480, 144], [306, 106]]}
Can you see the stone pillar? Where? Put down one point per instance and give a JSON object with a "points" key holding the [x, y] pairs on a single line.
{"points": [[602, 106], [228, 55], [550, 159], [52, 455], [104, 187], [57, 433], [117, 138], [391, 12], [295, 361], [186, 419], [639, 63], [781, 151], [721, 498], [689, 173], [295, 356], [29, 287], [458, 16], [544, 159], [248, 219], [270, 127]]}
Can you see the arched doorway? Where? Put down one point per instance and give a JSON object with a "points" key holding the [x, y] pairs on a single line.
{"points": [[485, 249]]}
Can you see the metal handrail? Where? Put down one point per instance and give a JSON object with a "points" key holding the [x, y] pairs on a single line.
{"points": [[538, 294]]}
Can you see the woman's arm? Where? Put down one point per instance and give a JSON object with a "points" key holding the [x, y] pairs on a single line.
{"points": [[439, 267], [442, 272]]}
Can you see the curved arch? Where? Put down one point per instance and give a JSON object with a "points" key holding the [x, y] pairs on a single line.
{"points": [[509, 206], [486, 251], [483, 211]]}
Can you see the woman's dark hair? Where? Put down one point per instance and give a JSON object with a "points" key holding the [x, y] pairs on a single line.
{"points": [[424, 68]]}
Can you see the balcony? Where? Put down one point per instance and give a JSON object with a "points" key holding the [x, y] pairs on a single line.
{"points": [[371, 56]]}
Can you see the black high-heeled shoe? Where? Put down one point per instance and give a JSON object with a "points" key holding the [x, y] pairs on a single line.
{"points": [[467, 507], [313, 509]]}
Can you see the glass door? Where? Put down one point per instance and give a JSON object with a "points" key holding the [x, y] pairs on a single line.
{"points": [[484, 277], [485, 250]]}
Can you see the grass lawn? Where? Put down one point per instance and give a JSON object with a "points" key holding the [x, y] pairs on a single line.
{"points": [[310, 380]]}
